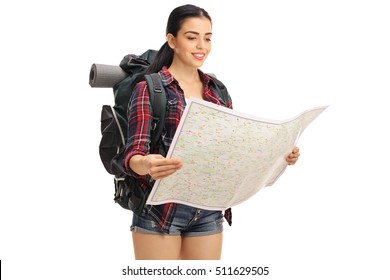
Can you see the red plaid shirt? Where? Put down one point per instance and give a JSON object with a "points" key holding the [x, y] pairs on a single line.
{"points": [[140, 117]]}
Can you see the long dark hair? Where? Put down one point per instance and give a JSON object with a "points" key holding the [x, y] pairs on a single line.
{"points": [[164, 56]]}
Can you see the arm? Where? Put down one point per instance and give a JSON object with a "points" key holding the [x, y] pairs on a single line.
{"points": [[138, 160]]}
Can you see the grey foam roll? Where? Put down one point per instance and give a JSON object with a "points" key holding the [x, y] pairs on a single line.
{"points": [[105, 76]]}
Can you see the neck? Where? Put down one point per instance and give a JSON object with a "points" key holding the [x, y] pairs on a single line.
{"points": [[184, 74]]}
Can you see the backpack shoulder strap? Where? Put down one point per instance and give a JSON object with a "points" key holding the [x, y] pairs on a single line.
{"points": [[221, 89], [158, 101]]}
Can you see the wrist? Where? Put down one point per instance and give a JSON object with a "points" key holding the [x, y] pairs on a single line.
{"points": [[139, 164]]}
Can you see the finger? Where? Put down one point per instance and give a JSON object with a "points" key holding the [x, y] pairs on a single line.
{"points": [[165, 161], [295, 155], [161, 164], [165, 168], [160, 174], [292, 158]]}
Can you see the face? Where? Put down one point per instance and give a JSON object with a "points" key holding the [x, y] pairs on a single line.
{"points": [[192, 44]]}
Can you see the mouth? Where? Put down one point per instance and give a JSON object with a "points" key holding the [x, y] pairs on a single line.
{"points": [[199, 56]]}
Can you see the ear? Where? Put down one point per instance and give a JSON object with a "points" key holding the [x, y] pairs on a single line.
{"points": [[171, 40]]}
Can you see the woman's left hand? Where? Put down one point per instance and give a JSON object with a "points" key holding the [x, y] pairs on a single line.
{"points": [[292, 158]]}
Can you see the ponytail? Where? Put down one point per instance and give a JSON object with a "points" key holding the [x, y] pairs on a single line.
{"points": [[164, 57]]}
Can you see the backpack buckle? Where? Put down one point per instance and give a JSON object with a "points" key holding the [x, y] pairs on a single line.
{"points": [[157, 89], [118, 186], [154, 123]]}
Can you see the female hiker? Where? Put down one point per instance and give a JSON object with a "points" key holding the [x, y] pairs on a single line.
{"points": [[172, 230]]}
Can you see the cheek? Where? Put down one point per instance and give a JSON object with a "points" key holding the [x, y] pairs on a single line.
{"points": [[178, 51], [181, 48]]}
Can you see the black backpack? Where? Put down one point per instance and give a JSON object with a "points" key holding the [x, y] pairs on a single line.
{"points": [[128, 192]]}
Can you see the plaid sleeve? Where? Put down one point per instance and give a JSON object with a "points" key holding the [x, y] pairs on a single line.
{"points": [[211, 96], [230, 102], [139, 124]]}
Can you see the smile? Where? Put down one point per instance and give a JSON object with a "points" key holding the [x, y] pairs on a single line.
{"points": [[199, 56]]}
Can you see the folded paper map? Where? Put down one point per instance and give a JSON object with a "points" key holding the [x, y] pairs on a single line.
{"points": [[227, 156]]}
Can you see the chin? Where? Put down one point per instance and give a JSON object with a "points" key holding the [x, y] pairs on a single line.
{"points": [[199, 63]]}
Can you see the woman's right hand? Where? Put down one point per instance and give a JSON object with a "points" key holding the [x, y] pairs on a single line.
{"points": [[157, 166]]}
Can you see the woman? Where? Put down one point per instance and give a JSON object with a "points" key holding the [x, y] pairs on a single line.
{"points": [[174, 231]]}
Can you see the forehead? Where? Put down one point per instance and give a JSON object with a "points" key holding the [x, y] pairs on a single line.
{"points": [[198, 24]]}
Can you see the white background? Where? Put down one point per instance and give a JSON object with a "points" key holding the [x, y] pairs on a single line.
{"points": [[326, 218]]}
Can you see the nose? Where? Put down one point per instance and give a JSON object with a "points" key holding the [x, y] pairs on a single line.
{"points": [[200, 44]]}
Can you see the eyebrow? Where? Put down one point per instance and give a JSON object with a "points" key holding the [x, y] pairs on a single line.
{"points": [[197, 33]]}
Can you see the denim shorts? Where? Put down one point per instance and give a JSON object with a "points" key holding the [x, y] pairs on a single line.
{"points": [[187, 221]]}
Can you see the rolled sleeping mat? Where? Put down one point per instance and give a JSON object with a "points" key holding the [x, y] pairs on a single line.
{"points": [[105, 76]]}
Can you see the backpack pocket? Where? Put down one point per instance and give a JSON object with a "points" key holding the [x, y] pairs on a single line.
{"points": [[129, 194], [112, 141]]}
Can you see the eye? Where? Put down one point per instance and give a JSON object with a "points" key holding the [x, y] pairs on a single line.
{"points": [[208, 39], [191, 38]]}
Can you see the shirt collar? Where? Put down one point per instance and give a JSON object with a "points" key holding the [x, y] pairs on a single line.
{"points": [[167, 77]]}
